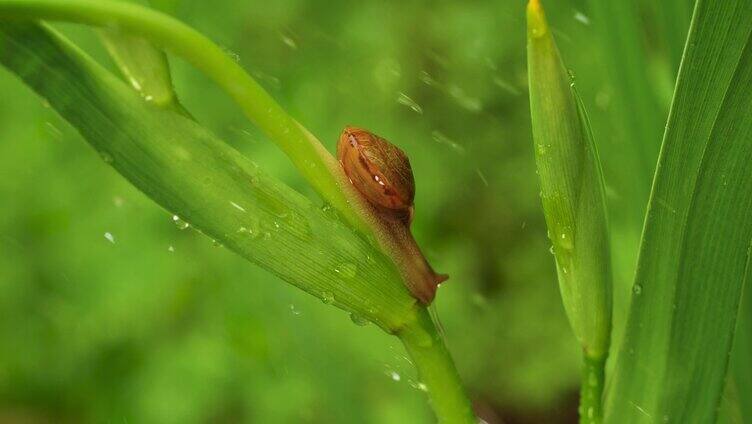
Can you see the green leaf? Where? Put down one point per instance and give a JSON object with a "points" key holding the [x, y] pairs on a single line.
{"points": [[144, 66], [189, 172], [695, 246], [571, 190], [741, 366], [628, 129]]}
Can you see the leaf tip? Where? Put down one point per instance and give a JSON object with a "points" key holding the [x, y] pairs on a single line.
{"points": [[536, 19]]}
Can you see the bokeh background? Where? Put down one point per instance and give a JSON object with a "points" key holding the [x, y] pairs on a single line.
{"points": [[109, 313]]}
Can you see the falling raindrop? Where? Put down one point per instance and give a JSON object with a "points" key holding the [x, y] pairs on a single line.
{"points": [[581, 18], [440, 138], [237, 206], [289, 42], [405, 100], [481, 176]]}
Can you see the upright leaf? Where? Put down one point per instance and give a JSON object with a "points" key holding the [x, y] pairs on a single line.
{"points": [[695, 247], [573, 204]]}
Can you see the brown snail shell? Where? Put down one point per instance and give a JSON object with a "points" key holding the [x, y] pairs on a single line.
{"points": [[379, 170]]}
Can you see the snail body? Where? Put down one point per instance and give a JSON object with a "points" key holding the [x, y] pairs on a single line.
{"points": [[381, 173]]}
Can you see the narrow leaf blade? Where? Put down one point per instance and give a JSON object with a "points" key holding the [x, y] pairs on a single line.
{"points": [[695, 246]]}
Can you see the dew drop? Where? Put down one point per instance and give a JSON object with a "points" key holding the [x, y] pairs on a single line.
{"points": [[109, 237], [395, 376], [294, 311], [347, 270], [171, 249], [216, 243], [358, 320], [182, 225], [637, 289], [106, 157], [327, 298]]}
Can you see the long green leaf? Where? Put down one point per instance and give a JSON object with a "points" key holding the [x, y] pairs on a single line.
{"points": [[191, 173], [695, 247]]}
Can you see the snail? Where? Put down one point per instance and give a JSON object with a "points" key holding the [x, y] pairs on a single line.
{"points": [[381, 173]]}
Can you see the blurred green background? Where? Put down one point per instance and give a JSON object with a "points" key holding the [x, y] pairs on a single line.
{"points": [[109, 313]]}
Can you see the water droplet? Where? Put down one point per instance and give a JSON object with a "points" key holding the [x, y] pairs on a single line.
{"points": [[564, 270], [418, 385], [395, 376], [109, 237], [541, 149], [481, 176], [443, 139], [53, 130], [294, 311], [106, 157], [637, 289], [590, 412], [148, 98], [329, 211], [118, 201], [426, 78], [182, 225], [405, 100], [234, 56], [171, 249], [358, 320], [347, 270], [464, 100], [237, 206], [327, 298], [581, 18], [551, 250], [289, 42], [216, 243]]}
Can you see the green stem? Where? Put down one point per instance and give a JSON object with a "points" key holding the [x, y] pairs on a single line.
{"points": [[591, 389], [314, 162], [438, 376]]}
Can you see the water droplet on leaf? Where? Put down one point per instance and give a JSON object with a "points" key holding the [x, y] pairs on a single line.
{"points": [[358, 320], [182, 225]]}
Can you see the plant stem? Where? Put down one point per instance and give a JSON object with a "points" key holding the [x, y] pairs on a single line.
{"points": [[591, 389], [313, 161], [438, 376]]}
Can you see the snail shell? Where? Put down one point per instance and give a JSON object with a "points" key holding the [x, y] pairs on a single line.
{"points": [[379, 170]]}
